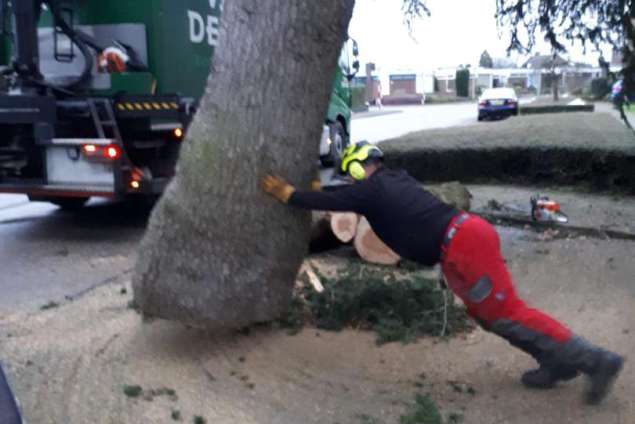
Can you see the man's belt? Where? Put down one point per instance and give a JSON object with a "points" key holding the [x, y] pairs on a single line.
{"points": [[453, 228]]}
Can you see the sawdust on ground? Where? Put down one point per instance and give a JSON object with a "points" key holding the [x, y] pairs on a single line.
{"points": [[71, 364]]}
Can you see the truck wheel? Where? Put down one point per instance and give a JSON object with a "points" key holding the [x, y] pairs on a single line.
{"points": [[339, 141], [69, 203]]}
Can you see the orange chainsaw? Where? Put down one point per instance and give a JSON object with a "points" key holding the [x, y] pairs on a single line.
{"points": [[545, 210]]}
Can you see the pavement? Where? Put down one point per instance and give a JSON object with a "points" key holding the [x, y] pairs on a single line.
{"points": [[395, 121]]}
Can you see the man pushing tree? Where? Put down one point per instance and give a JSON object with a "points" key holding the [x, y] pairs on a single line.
{"points": [[420, 227]]}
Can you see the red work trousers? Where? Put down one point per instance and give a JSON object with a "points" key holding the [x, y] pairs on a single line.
{"points": [[476, 272]]}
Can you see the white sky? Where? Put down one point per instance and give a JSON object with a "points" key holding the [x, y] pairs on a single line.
{"points": [[457, 33]]}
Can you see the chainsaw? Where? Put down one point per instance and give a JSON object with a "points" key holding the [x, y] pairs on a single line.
{"points": [[545, 210]]}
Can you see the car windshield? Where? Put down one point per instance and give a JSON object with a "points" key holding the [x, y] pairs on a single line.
{"points": [[499, 93]]}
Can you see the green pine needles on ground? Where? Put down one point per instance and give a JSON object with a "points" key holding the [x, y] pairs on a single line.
{"points": [[397, 304], [424, 411]]}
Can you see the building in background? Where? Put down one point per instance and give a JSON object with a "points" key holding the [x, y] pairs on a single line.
{"points": [[535, 76]]}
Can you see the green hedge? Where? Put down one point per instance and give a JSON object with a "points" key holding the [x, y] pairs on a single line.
{"points": [[533, 110], [594, 150]]}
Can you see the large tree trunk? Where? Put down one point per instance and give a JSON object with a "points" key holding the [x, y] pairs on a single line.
{"points": [[218, 252], [628, 65]]}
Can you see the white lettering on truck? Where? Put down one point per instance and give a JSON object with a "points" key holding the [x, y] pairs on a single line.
{"points": [[212, 30], [201, 25], [197, 30]]}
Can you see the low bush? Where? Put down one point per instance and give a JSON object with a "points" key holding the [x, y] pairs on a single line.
{"points": [[533, 110], [600, 87]]}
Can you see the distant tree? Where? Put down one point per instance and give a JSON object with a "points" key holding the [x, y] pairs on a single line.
{"points": [[486, 60], [503, 62], [463, 82], [590, 22], [414, 9]]}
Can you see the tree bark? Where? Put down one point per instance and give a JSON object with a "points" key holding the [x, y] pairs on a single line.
{"points": [[218, 252], [628, 65]]}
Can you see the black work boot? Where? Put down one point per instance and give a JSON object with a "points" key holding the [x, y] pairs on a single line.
{"points": [[602, 376], [600, 365], [546, 377]]}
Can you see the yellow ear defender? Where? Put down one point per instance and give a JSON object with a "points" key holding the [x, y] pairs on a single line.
{"points": [[356, 170], [354, 157]]}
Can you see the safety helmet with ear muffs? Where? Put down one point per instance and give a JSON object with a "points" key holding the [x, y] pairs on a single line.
{"points": [[355, 156]]}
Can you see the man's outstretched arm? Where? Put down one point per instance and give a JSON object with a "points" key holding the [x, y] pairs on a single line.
{"points": [[353, 198]]}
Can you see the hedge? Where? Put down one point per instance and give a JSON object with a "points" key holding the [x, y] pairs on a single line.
{"points": [[533, 110], [592, 150]]}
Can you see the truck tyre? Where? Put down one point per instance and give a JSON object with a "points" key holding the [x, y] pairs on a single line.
{"points": [[339, 140]]}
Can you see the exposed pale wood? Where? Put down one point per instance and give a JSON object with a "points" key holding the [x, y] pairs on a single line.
{"points": [[371, 248], [314, 280], [344, 225]]}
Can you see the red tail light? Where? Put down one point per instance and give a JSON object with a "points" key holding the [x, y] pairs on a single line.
{"points": [[112, 152]]}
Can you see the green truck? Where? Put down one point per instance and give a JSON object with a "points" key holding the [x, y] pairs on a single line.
{"points": [[97, 96]]}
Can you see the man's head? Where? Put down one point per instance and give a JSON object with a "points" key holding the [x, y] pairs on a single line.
{"points": [[360, 160]]}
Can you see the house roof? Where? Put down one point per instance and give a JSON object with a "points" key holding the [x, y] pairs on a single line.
{"points": [[545, 62]]}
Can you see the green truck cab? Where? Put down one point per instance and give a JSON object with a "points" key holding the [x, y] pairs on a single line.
{"points": [[91, 103], [338, 117]]}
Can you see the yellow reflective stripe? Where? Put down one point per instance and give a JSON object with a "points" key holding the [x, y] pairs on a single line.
{"points": [[147, 106]]}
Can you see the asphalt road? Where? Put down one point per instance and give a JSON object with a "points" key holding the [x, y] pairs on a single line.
{"points": [[399, 120], [47, 255]]}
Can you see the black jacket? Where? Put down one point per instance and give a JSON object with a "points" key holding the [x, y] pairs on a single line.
{"points": [[409, 219]]}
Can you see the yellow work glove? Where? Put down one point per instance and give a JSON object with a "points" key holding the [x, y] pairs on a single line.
{"points": [[277, 187]]}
